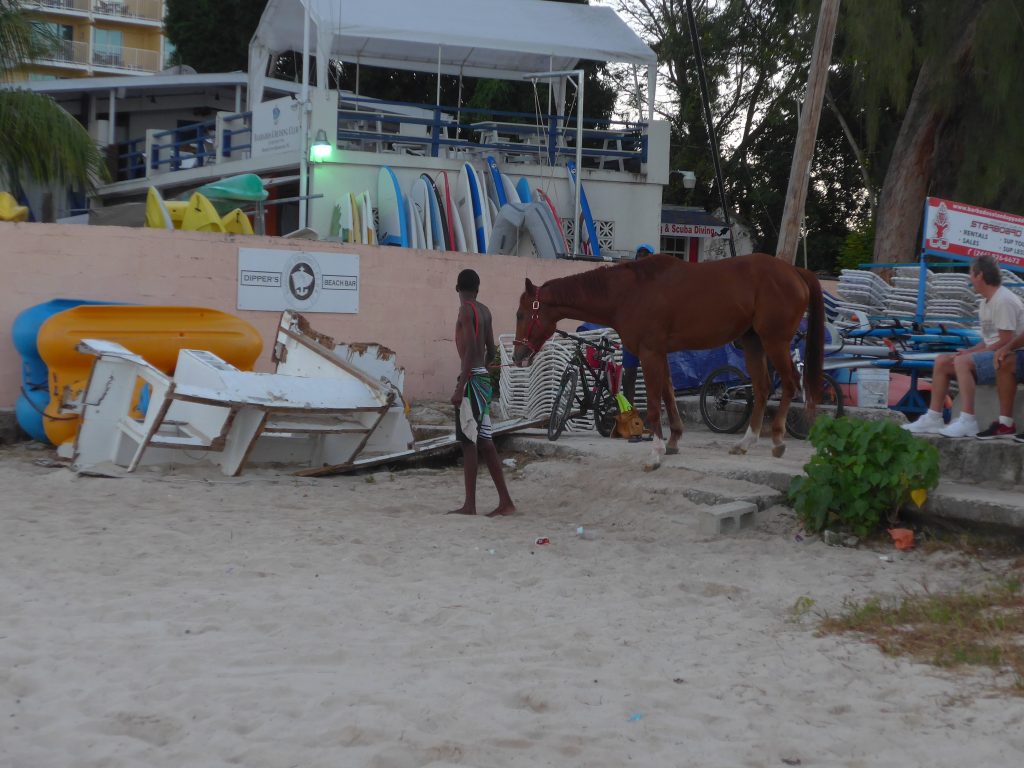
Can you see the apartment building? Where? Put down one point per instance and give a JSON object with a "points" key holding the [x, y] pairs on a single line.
{"points": [[100, 38]]}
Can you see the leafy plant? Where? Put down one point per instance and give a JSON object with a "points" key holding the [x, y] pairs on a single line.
{"points": [[862, 472]]}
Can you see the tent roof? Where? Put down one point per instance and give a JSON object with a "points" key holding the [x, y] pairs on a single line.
{"points": [[504, 39]]}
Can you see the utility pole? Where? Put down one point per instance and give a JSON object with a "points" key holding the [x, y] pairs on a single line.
{"points": [[800, 170]]}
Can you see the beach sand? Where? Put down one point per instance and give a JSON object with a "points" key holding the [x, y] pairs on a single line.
{"points": [[181, 618]]}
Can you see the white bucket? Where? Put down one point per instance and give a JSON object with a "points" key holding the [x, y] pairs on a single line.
{"points": [[872, 388]]}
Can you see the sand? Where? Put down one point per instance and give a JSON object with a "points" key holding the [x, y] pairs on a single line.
{"points": [[181, 618]]}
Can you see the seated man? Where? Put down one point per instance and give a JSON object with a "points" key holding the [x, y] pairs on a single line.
{"points": [[1002, 319], [1009, 362]]}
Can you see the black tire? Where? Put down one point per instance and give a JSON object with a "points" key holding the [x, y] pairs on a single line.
{"points": [[726, 400], [830, 403], [605, 411], [562, 407]]}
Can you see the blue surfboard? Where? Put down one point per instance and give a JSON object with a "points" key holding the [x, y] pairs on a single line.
{"points": [[479, 201], [523, 188], [499, 188], [588, 220], [394, 225]]}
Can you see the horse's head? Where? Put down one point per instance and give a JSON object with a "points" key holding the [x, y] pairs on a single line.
{"points": [[534, 326]]}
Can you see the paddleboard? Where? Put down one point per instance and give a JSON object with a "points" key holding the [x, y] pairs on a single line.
{"points": [[394, 226], [481, 212], [464, 208], [421, 195], [366, 218], [588, 235], [201, 216], [154, 333], [542, 196], [438, 221], [157, 215], [499, 188], [523, 188]]}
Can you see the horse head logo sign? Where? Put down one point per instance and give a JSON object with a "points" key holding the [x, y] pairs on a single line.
{"points": [[303, 281]]}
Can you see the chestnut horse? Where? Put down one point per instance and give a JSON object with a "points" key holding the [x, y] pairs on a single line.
{"points": [[661, 304]]}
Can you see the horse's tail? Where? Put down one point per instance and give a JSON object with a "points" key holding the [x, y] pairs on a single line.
{"points": [[814, 346]]}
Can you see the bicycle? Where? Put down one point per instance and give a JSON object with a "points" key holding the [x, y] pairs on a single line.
{"points": [[596, 393], [727, 398]]}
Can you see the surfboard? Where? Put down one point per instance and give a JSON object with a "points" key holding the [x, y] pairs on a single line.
{"points": [[589, 233], [481, 213], [511, 193], [366, 218], [542, 196], [465, 209], [438, 221], [157, 215], [499, 188], [355, 233], [421, 195], [154, 333], [523, 188], [458, 239], [394, 227], [415, 224], [201, 216]]}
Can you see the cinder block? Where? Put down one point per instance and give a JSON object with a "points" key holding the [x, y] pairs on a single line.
{"points": [[727, 518]]}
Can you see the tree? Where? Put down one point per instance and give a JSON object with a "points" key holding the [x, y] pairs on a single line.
{"points": [[212, 35], [41, 141], [951, 70]]}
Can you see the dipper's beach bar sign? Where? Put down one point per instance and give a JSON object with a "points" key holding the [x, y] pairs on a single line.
{"points": [[966, 231], [307, 281]]}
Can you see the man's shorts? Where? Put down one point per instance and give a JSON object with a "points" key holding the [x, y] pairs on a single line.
{"points": [[629, 360], [985, 369]]}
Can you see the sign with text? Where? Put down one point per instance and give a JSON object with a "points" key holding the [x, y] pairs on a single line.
{"points": [[306, 281], [692, 230], [277, 127], [966, 230]]}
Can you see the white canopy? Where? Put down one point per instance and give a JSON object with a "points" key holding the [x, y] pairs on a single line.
{"points": [[502, 39]]}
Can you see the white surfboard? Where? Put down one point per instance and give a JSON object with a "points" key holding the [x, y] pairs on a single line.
{"points": [[511, 193], [438, 220], [420, 195], [366, 214], [464, 208], [394, 227], [415, 224]]}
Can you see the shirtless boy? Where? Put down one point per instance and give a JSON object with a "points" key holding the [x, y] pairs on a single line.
{"points": [[472, 398]]}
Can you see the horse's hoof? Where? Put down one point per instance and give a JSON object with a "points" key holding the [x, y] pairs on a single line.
{"points": [[738, 450], [671, 450], [651, 467], [778, 450]]}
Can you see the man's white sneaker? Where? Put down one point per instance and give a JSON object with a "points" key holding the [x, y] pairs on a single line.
{"points": [[927, 424], [962, 427]]}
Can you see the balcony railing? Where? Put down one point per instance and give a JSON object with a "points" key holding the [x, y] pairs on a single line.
{"points": [[68, 52], [62, 5], [149, 10], [137, 59]]}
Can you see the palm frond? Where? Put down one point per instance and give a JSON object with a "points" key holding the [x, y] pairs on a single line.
{"points": [[44, 143]]}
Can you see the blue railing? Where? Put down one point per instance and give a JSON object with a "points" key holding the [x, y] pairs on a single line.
{"points": [[189, 146]]}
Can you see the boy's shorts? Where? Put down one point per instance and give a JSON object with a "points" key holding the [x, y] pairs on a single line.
{"points": [[985, 369]]}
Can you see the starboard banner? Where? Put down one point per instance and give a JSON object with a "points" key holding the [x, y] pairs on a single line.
{"points": [[692, 230], [307, 281], [968, 231]]}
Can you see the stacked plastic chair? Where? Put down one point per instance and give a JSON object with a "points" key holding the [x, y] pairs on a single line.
{"points": [[862, 294]]}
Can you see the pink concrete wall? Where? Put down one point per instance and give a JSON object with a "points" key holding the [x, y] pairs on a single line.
{"points": [[407, 298]]}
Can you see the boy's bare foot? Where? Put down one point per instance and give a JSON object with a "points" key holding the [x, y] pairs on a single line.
{"points": [[502, 510], [463, 510]]}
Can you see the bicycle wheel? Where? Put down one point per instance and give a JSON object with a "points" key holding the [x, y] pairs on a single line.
{"points": [[562, 406], [605, 411], [830, 403], [726, 400]]}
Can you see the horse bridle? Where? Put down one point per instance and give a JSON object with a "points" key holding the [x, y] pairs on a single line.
{"points": [[534, 319]]}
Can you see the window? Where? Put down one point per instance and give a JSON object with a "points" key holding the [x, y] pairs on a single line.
{"points": [[108, 46]]}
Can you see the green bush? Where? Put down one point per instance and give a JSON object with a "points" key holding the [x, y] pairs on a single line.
{"points": [[861, 473], [858, 248]]}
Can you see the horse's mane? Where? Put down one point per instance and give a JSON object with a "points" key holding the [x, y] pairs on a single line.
{"points": [[595, 282]]}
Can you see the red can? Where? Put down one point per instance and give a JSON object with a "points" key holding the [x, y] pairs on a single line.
{"points": [[542, 540]]}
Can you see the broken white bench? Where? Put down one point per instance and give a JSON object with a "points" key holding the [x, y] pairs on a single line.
{"points": [[209, 410]]}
